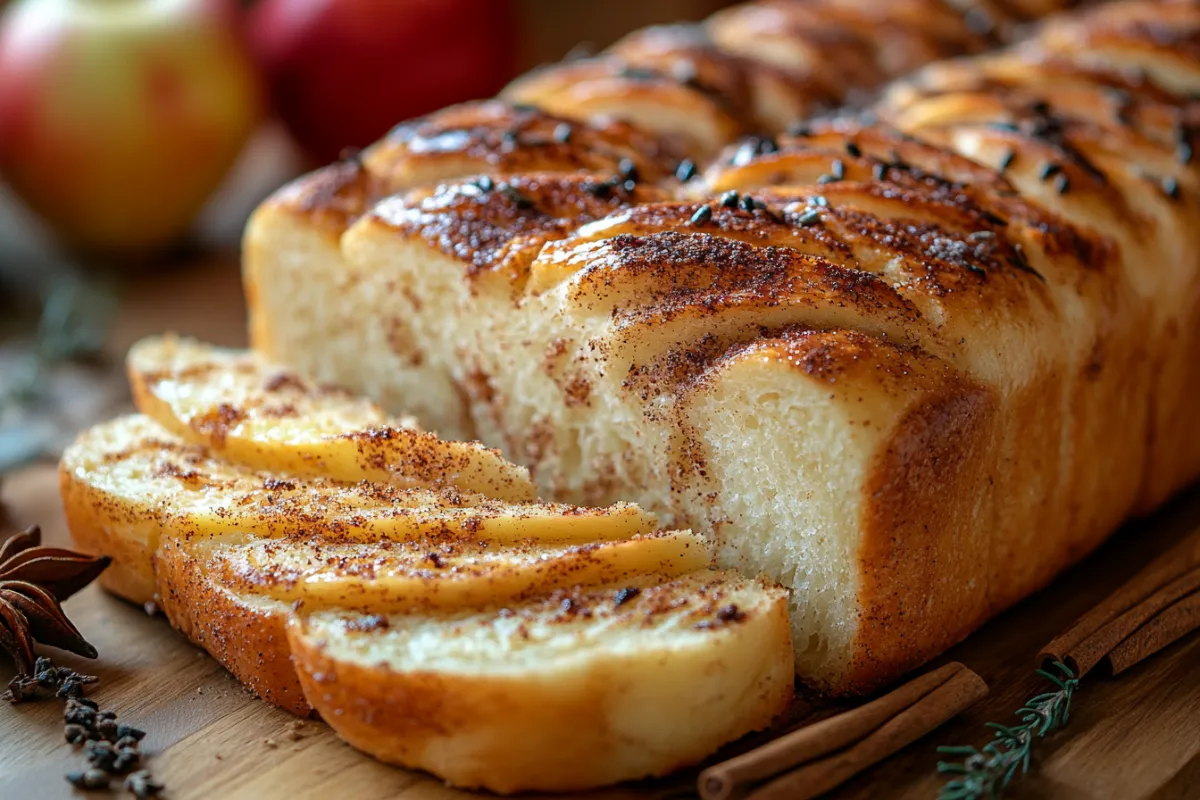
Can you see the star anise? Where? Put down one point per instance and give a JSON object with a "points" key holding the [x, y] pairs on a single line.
{"points": [[34, 580]]}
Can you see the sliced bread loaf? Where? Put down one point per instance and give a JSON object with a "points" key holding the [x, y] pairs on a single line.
{"points": [[527, 612]]}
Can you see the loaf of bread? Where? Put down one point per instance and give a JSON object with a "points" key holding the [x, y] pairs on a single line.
{"points": [[333, 559], [910, 362], [694, 89]]}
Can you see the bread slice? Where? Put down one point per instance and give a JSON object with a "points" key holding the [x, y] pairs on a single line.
{"points": [[580, 688], [246, 633], [573, 689], [129, 483], [232, 594], [437, 572], [252, 413]]}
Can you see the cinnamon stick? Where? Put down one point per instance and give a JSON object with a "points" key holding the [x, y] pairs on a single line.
{"points": [[963, 690], [1097, 632], [1090, 651], [828, 736], [1168, 625]]}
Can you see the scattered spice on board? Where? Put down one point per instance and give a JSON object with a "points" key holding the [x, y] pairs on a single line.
{"points": [[34, 580]]}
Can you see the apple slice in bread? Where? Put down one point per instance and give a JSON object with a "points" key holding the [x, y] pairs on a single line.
{"points": [[439, 572], [128, 482], [229, 594], [575, 689], [264, 417]]}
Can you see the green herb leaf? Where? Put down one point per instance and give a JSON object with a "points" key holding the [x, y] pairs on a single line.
{"points": [[984, 774]]}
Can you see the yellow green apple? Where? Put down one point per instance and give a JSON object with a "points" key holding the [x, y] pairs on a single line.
{"points": [[118, 118]]}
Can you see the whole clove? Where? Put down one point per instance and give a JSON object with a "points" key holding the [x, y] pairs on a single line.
{"points": [[72, 685], [111, 748], [89, 779], [47, 680], [79, 715], [142, 785], [107, 728], [101, 755], [76, 734], [130, 732], [125, 761]]}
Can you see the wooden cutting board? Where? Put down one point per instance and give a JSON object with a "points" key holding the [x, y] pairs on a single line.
{"points": [[1134, 737]]}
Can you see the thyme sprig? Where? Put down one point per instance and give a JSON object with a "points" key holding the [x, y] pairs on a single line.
{"points": [[985, 773]]}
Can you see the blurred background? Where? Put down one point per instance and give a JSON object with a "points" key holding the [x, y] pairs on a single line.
{"points": [[137, 135]]}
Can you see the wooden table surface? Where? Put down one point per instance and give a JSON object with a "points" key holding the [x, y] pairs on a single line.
{"points": [[1137, 736]]}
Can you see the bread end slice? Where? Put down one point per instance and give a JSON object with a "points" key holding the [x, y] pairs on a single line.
{"points": [[581, 688]]}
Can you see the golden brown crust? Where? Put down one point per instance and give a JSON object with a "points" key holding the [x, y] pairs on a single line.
{"points": [[846, 45], [754, 68], [847, 356], [99, 527], [332, 197], [249, 640], [500, 226], [693, 118], [491, 138], [760, 96], [498, 138], [1161, 39], [922, 494]]}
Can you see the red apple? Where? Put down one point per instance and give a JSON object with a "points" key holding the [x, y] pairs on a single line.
{"points": [[118, 118], [342, 72]]}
